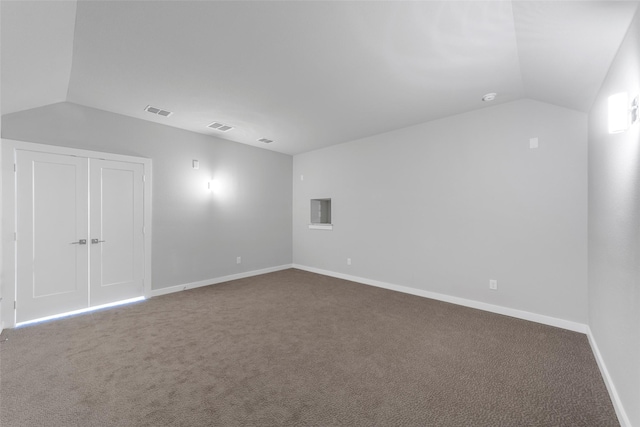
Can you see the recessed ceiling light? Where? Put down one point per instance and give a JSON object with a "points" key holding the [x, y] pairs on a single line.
{"points": [[265, 140], [489, 97], [220, 127], [158, 111]]}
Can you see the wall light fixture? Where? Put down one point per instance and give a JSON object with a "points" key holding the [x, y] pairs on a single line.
{"points": [[214, 186], [622, 114]]}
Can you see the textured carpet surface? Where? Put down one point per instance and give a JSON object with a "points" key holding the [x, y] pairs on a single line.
{"points": [[293, 348]]}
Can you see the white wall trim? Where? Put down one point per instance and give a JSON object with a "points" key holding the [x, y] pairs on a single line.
{"points": [[320, 226], [70, 151], [613, 392], [520, 314], [207, 282]]}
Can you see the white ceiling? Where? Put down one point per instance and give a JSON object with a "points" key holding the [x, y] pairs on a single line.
{"points": [[305, 74]]}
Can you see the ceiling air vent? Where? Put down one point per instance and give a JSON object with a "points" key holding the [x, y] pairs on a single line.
{"points": [[158, 111], [220, 127], [265, 140]]}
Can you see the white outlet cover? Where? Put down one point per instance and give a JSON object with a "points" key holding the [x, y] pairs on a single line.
{"points": [[493, 285], [533, 143], [196, 164]]}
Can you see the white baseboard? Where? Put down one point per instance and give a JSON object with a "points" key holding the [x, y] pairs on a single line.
{"points": [[520, 314], [613, 393], [192, 285]]}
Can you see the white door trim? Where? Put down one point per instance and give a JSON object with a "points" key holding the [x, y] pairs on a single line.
{"points": [[8, 222]]}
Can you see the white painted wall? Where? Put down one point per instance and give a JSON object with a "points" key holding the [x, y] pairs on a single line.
{"points": [[197, 235], [1, 235], [447, 205], [614, 231]]}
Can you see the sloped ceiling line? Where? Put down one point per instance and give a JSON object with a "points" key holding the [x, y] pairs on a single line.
{"points": [[73, 48]]}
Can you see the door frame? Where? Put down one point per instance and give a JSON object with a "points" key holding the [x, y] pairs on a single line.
{"points": [[8, 224]]}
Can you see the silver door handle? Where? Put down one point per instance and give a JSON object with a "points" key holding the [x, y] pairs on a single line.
{"points": [[94, 241], [80, 242]]}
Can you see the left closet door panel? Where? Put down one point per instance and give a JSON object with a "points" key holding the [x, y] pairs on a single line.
{"points": [[52, 223]]}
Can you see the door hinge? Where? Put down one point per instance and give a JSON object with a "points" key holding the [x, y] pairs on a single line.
{"points": [[15, 305], [144, 178], [143, 229], [15, 167], [15, 236]]}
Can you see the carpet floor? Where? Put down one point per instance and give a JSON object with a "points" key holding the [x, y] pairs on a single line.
{"points": [[294, 348]]}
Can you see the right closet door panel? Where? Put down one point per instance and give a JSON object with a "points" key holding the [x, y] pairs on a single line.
{"points": [[117, 234]]}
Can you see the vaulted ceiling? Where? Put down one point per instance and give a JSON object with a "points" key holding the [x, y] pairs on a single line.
{"points": [[305, 74]]}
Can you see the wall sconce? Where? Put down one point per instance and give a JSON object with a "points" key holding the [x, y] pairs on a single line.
{"points": [[621, 113], [214, 186]]}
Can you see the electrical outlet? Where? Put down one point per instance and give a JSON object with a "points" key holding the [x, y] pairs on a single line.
{"points": [[238, 260], [493, 285], [348, 261]]}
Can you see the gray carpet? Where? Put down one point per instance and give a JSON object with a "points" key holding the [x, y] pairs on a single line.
{"points": [[298, 349]]}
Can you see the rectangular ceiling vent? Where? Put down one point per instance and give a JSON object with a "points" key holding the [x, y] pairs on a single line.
{"points": [[265, 140], [220, 127], [157, 111]]}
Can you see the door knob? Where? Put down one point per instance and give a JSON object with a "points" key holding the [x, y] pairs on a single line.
{"points": [[80, 242], [94, 241]]}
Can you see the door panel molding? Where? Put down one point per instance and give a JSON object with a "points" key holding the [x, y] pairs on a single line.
{"points": [[52, 204], [9, 221]]}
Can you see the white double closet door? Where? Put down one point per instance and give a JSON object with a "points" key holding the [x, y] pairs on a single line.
{"points": [[80, 240]]}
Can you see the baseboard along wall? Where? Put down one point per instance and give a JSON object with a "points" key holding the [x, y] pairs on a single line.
{"points": [[207, 282], [520, 314], [613, 392]]}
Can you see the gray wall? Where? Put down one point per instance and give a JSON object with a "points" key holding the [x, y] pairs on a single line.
{"points": [[614, 230], [447, 205], [196, 235], [1, 236]]}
